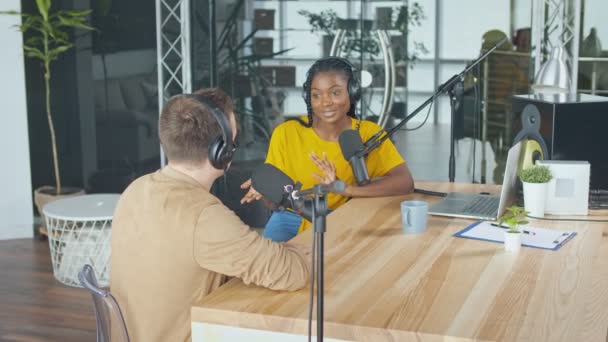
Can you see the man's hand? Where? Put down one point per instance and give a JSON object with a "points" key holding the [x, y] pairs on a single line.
{"points": [[251, 195], [327, 168]]}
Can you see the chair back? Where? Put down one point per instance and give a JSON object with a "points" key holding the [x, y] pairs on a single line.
{"points": [[107, 311]]}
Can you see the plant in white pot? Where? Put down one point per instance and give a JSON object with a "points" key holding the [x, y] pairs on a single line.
{"points": [[48, 37], [514, 217], [535, 180]]}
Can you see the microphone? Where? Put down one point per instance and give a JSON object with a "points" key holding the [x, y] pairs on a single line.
{"points": [[335, 187], [278, 189], [354, 151], [273, 184]]}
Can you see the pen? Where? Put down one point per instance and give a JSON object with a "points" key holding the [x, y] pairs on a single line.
{"points": [[523, 231]]}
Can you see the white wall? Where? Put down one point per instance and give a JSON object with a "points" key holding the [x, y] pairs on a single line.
{"points": [[16, 212], [522, 14], [595, 16]]}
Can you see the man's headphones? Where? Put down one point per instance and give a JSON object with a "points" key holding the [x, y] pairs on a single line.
{"points": [[354, 85], [221, 149]]}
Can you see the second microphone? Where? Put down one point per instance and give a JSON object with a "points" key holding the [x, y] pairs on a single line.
{"points": [[354, 151]]}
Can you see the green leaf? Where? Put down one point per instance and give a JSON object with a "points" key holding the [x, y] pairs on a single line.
{"points": [[46, 27], [30, 22], [77, 13], [247, 38], [34, 52], [257, 58], [75, 22], [59, 50], [59, 36], [10, 13], [33, 41], [43, 8], [230, 22]]}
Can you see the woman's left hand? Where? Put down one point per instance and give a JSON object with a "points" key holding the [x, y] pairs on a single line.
{"points": [[327, 168]]}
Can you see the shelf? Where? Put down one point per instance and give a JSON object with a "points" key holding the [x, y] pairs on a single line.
{"points": [[397, 89], [351, 1]]}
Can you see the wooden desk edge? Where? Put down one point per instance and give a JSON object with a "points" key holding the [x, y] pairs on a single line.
{"points": [[298, 326]]}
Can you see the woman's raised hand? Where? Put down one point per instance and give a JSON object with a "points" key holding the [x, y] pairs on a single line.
{"points": [[327, 168]]}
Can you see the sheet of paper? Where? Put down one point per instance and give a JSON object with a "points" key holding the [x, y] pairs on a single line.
{"points": [[536, 237]]}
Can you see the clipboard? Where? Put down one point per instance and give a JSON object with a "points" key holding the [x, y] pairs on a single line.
{"points": [[543, 238]]}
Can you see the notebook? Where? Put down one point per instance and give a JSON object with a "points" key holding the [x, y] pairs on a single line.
{"points": [[482, 206]]}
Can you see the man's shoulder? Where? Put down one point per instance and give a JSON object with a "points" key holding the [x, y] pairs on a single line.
{"points": [[156, 187]]}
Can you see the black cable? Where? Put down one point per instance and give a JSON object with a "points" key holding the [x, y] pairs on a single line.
{"points": [[312, 284], [423, 122], [563, 219], [431, 193], [476, 109], [225, 182]]}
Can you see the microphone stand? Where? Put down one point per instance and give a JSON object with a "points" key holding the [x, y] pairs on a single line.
{"points": [[319, 217], [454, 87], [318, 197]]}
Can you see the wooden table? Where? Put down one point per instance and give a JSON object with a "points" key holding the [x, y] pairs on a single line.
{"points": [[383, 285]]}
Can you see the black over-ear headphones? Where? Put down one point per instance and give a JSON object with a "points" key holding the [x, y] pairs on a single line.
{"points": [[354, 85], [221, 149]]}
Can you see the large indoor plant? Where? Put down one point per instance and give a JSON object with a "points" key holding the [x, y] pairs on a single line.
{"points": [[535, 180], [46, 37]]}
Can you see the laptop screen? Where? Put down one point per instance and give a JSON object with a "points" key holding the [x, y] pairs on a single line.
{"points": [[509, 183]]}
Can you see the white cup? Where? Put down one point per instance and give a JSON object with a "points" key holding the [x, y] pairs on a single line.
{"points": [[414, 216]]}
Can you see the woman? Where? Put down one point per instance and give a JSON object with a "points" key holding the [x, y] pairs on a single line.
{"points": [[307, 149]]}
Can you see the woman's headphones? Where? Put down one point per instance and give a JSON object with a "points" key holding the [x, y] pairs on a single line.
{"points": [[354, 86], [221, 149]]}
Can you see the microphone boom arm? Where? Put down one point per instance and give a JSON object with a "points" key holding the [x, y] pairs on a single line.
{"points": [[379, 138]]}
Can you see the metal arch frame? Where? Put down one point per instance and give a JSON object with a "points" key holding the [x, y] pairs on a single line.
{"points": [[566, 15], [168, 45], [389, 66]]}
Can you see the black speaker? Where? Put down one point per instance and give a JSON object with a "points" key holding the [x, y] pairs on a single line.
{"points": [[573, 126]]}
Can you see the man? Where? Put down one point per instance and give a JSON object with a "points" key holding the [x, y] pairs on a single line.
{"points": [[173, 242]]}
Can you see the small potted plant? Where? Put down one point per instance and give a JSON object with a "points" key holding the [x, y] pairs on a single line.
{"points": [[535, 180], [514, 217]]}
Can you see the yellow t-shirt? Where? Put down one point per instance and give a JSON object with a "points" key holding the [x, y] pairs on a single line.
{"points": [[290, 146]]}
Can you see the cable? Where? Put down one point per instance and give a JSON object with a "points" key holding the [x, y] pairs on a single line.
{"points": [[431, 193], [312, 284], [563, 219], [423, 122], [225, 181], [476, 109]]}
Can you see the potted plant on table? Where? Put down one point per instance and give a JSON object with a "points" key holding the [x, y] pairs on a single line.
{"points": [[49, 39], [535, 180], [514, 217]]}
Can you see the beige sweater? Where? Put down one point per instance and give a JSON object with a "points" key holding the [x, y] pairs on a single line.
{"points": [[173, 242]]}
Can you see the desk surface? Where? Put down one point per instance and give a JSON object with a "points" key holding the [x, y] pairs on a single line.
{"points": [[381, 284]]}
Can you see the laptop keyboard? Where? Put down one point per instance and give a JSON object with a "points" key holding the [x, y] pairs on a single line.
{"points": [[483, 206]]}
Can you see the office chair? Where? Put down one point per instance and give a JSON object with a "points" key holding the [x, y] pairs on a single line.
{"points": [[107, 311]]}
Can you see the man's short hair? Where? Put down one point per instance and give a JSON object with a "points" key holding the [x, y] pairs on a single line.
{"points": [[187, 127]]}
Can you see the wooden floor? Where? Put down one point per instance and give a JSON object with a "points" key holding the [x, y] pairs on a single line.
{"points": [[33, 305]]}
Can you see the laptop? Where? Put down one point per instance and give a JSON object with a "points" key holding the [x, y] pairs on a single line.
{"points": [[482, 206]]}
